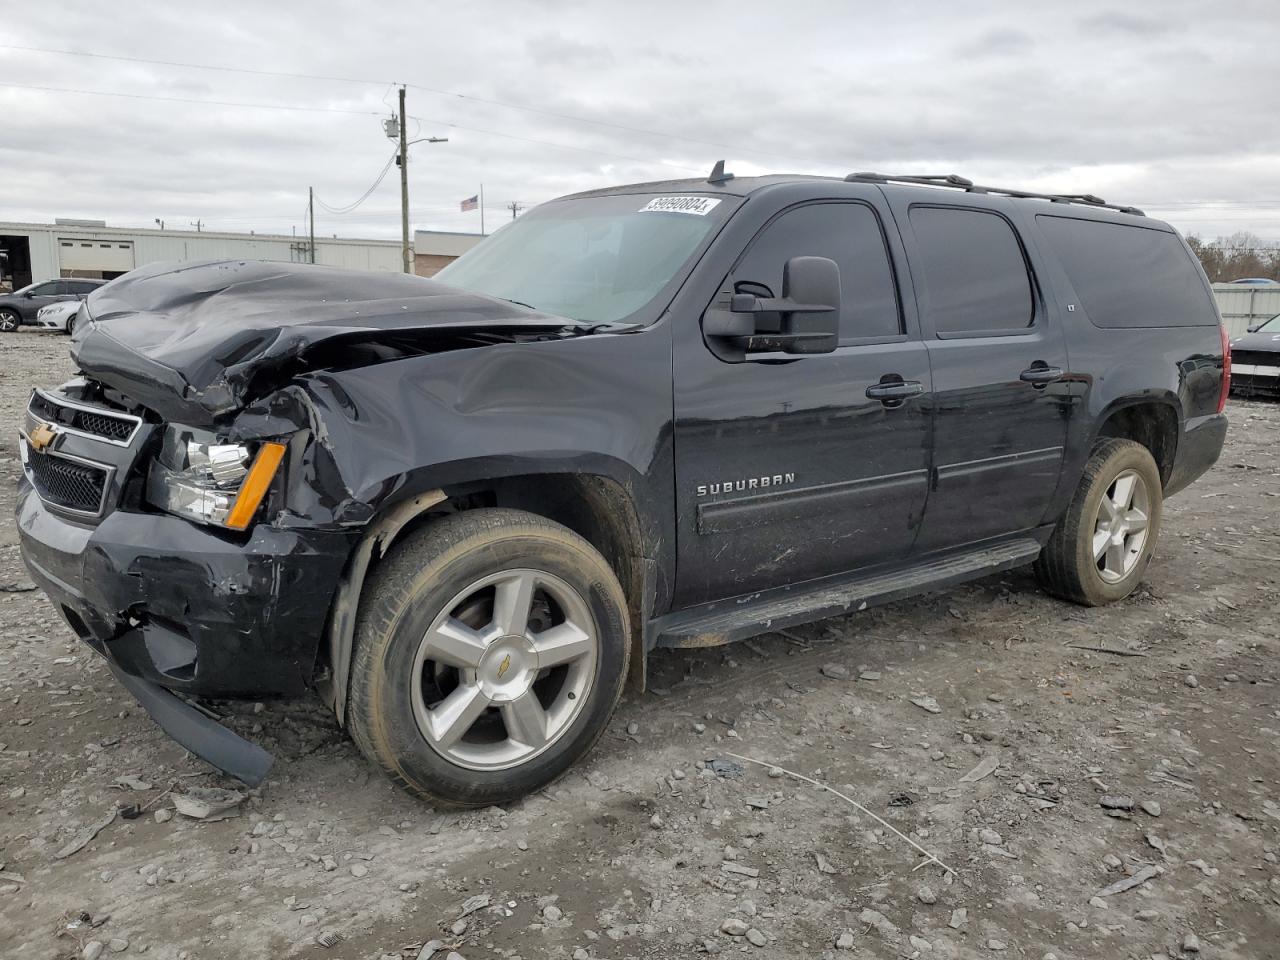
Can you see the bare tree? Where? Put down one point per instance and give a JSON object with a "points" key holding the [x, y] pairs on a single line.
{"points": [[1238, 256]]}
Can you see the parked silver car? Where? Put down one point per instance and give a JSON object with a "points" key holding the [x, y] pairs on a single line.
{"points": [[59, 316]]}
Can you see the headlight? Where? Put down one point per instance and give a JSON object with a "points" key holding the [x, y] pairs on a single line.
{"points": [[199, 477]]}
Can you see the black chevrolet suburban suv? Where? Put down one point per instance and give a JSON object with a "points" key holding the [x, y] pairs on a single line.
{"points": [[467, 510]]}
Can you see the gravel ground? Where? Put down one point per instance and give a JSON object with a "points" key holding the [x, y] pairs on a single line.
{"points": [[1155, 762]]}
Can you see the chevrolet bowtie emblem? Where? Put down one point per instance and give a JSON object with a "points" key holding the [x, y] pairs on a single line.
{"points": [[504, 666], [42, 435]]}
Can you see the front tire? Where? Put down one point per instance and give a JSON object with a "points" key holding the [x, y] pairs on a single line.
{"points": [[1101, 547], [9, 321], [491, 649]]}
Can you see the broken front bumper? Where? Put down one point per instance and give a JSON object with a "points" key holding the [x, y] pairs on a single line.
{"points": [[189, 609], [204, 737]]}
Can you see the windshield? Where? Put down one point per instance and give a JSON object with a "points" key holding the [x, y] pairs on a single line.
{"points": [[596, 260]]}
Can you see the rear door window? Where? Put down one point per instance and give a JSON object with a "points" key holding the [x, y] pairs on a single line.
{"points": [[1129, 276], [974, 272]]}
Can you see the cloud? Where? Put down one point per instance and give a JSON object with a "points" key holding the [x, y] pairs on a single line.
{"points": [[1156, 105], [997, 42], [1116, 21]]}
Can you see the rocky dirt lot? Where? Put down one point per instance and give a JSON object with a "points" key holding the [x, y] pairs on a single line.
{"points": [[987, 724]]}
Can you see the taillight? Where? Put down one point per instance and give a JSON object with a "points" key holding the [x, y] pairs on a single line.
{"points": [[1226, 369]]}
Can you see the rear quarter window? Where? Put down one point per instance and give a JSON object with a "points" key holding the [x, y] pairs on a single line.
{"points": [[1129, 276]]}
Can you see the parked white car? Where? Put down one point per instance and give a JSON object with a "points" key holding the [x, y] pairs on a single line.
{"points": [[59, 316]]}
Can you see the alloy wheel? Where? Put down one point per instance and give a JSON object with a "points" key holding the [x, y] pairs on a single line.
{"points": [[504, 669], [1120, 528], [8, 321]]}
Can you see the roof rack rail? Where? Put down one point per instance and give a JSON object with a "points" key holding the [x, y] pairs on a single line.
{"points": [[968, 186]]}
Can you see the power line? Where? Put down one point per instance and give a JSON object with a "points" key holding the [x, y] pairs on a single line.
{"points": [[1168, 204], [214, 103], [1211, 219], [193, 66], [436, 91], [306, 109], [573, 118], [545, 143], [349, 208]]}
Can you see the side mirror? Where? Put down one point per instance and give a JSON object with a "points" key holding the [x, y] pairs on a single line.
{"points": [[808, 314], [811, 286], [27, 294]]}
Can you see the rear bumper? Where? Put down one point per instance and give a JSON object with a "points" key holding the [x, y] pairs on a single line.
{"points": [[1198, 449], [186, 608]]}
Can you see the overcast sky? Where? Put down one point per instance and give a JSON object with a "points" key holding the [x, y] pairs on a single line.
{"points": [[1168, 105]]}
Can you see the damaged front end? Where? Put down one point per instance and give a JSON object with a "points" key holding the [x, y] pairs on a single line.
{"points": [[153, 567], [181, 502]]}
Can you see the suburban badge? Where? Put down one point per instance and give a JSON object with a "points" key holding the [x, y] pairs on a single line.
{"points": [[750, 483]]}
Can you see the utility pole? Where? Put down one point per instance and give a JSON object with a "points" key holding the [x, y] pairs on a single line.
{"points": [[514, 206], [311, 217], [198, 225], [395, 130], [404, 192]]}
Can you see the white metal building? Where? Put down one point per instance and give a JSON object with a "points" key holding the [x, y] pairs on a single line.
{"points": [[89, 248], [1243, 304]]}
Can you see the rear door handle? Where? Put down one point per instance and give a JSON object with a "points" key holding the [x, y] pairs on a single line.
{"points": [[1039, 374], [888, 391]]}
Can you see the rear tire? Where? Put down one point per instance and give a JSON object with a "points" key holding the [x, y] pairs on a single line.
{"points": [[1101, 547], [9, 321], [491, 649]]}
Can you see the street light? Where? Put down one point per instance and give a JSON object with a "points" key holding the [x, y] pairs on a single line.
{"points": [[394, 127]]}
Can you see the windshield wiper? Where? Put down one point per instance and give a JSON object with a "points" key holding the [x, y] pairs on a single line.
{"points": [[520, 303]]}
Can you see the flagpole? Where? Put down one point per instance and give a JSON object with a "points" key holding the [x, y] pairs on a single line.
{"points": [[482, 209]]}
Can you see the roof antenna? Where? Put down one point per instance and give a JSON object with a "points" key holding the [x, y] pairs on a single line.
{"points": [[718, 175]]}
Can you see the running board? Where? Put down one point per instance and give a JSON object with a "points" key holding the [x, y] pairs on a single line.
{"points": [[725, 621]]}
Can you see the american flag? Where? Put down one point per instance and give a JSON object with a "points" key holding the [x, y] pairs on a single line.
{"points": [[470, 203]]}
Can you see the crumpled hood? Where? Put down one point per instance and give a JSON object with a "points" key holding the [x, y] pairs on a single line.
{"points": [[188, 339]]}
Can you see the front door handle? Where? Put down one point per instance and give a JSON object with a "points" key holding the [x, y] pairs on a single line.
{"points": [[1040, 374], [888, 391]]}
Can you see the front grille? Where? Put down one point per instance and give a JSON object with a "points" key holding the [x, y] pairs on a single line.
{"points": [[1259, 358], [67, 483], [102, 425], [95, 422]]}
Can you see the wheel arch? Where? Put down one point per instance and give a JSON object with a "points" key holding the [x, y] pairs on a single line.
{"points": [[1153, 421], [600, 508]]}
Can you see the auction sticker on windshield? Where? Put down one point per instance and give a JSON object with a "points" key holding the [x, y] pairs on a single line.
{"points": [[698, 206]]}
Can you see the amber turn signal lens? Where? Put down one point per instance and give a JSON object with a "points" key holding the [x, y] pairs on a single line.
{"points": [[255, 485]]}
